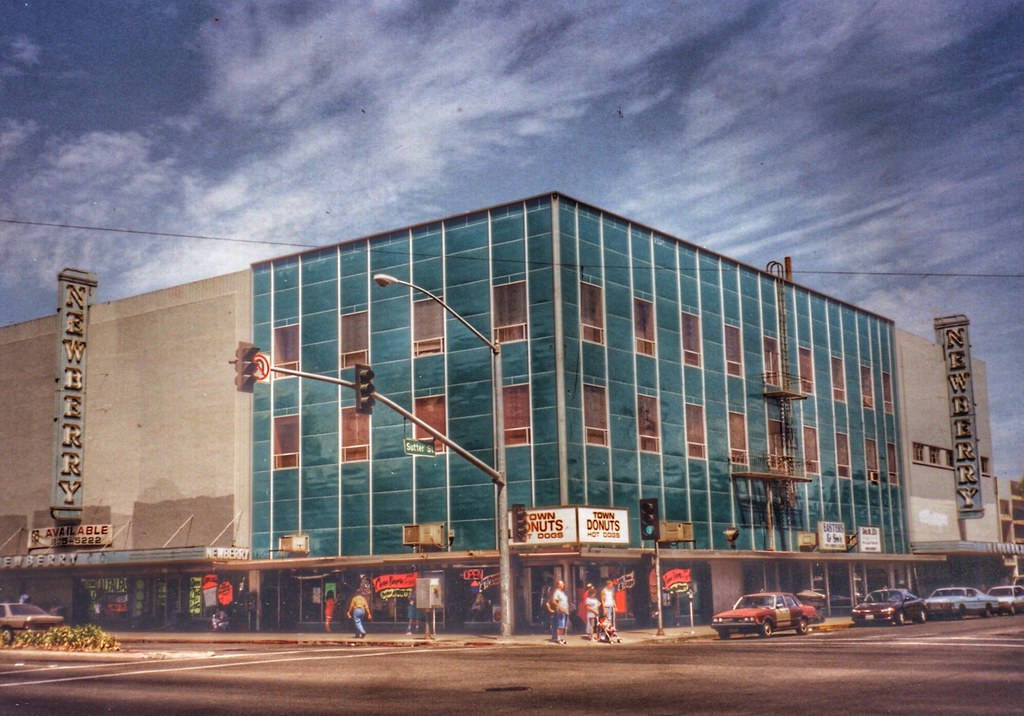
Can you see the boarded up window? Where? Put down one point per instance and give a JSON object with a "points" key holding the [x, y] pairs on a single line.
{"points": [[647, 422], [806, 371], [773, 373], [355, 435], [510, 312], [595, 414], [517, 414], [431, 410], [428, 327], [842, 455], [866, 390], [286, 442], [286, 347], [694, 430], [810, 449], [354, 339], [733, 351], [691, 339], [591, 313], [643, 326], [737, 439], [838, 380]]}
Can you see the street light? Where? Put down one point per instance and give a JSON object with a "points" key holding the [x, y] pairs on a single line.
{"points": [[504, 563]]}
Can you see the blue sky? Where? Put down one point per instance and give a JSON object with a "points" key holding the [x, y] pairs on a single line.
{"points": [[880, 138]]}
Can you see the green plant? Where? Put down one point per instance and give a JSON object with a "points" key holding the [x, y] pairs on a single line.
{"points": [[86, 637]]}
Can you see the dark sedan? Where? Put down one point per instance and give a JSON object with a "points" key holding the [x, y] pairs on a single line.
{"points": [[892, 606]]}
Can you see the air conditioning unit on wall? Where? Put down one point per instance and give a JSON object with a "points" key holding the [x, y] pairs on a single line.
{"points": [[430, 534], [295, 544], [873, 477]]}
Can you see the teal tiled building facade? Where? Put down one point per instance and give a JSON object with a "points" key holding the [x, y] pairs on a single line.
{"points": [[635, 365]]}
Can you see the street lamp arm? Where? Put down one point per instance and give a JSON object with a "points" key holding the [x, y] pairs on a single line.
{"points": [[384, 279]]}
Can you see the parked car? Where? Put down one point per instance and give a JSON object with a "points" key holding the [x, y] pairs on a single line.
{"points": [[1010, 598], [763, 614], [22, 617], [895, 606], [958, 602]]}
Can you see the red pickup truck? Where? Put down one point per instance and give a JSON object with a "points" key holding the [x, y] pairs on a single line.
{"points": [[763, 614]]}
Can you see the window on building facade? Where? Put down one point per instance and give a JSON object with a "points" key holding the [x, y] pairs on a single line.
{"points": [[890, 463], [772, 369], [984, 465], [695, 445], [428, 327], [811, 450], [871, 459], [887, 392], [866, 390], [286, 442], [286, 348], [737, 439], [595, 414], [775, 446], [355, 435], [591, 312], [806, 371], [647, 423], [733, 351], [691, 339], [842, 455], [510, 312], [935, 456], [918, 452], [949, 457], [516, 400], [431, 410], [838, 380], [355, 339], [643, 326]]}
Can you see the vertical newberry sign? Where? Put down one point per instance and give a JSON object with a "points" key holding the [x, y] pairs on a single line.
{"points": [[74, 290], [956, 351]]}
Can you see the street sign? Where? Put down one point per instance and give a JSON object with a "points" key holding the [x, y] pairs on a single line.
{"points": [[261, 366], [419, 448]]}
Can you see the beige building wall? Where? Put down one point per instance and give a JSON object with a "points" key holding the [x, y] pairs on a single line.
{"points": [[167, 435], [931, 503]]}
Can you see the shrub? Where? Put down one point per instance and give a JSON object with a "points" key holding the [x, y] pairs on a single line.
{"points": [[86, 637]]}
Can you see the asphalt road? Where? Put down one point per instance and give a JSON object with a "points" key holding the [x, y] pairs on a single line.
{"points": [[968, 667]]}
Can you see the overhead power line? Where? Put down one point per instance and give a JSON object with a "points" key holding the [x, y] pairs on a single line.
{"points": [[167, 234], [154, 233]]}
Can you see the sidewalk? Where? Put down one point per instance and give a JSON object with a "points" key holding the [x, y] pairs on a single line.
{"points": [[137, 641]]}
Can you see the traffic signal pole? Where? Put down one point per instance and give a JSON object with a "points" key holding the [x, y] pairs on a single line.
{"points": [[495, 476]]}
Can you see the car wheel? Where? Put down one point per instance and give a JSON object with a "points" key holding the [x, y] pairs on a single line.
{"points": [[899, 619], [7, 636], [922, 617], [724, 634], [1012, 610], [767, 628], [961, 612], [988, 611], [801, 627]]}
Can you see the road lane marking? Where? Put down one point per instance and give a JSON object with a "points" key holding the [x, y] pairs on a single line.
{"points": [[201, 667]]}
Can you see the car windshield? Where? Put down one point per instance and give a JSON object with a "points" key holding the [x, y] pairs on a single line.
{"points": [[1001, 591], [25, 610], [881, 596], [948, 593], [755, 602]]}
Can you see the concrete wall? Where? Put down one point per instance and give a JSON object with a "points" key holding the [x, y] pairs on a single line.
{"points": [[167, 434], [931, 503]]}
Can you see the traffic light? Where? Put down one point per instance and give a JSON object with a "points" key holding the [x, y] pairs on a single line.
{"points": [[245, 366], [364, 389], [650, 522], [518, 523]]}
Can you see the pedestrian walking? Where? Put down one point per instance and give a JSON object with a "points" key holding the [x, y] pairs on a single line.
{"points": [[330, 604], [608, 602], [593, 611], [560, 615], [358, 610]]}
